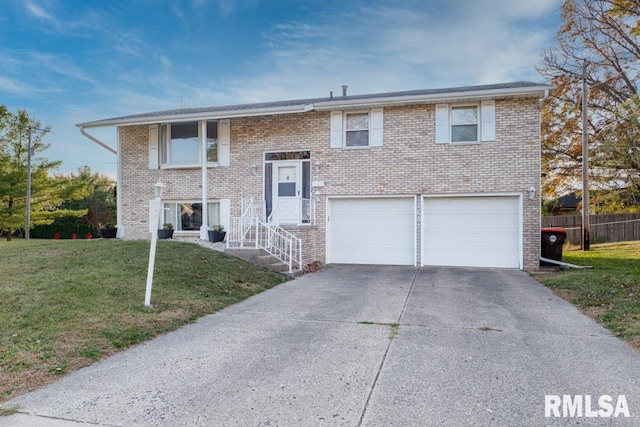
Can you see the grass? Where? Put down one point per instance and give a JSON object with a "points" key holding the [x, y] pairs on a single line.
{"points": [[68, 303], [610, 292]]}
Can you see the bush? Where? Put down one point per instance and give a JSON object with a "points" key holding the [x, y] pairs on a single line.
{"points": [[64, 230]]}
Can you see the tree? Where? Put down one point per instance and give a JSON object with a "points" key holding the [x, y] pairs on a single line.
{"points": [[99, 202], [47, 193], [604, 37]]}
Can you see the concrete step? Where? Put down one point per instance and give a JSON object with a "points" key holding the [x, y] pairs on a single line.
{"points": [[261, 258], [280, 267], [266, 260]]}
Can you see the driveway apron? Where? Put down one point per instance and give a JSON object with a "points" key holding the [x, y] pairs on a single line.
{"points": [[358, 345]]}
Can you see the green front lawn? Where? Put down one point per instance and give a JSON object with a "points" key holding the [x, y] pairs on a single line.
{"points": [[66, 303], [610, 292]]}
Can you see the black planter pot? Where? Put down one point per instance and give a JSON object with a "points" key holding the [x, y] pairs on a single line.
{"points": [[165, 234], [108, 233], [216, 236]]}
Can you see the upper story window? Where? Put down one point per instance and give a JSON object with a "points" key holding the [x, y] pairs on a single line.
{"points": [[466, 123], [356, 130], [181, 143]]}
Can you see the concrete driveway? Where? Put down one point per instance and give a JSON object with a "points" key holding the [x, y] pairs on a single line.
{"points": [[473, 347]]}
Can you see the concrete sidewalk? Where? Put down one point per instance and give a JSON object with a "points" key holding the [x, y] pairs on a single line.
{"points": [[474, 347]]}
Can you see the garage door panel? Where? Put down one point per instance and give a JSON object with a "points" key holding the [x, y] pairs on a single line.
{"points": [[481, 259], [482, 222], [372, 231], [471, 232]]}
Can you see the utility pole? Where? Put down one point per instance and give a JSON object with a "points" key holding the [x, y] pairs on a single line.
{"points": [[28, 218], [585, 244]]}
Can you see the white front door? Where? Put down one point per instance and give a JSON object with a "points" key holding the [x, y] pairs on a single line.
{"points": [[287, 192]]}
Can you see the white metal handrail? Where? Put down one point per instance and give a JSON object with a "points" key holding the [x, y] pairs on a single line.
{"points": [[280, 243], [269, 236], [241, 231]]}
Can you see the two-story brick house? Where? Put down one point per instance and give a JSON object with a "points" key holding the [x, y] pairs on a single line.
{"points": [[446, 177]]}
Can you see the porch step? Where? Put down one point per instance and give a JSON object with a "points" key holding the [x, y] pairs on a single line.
{"points": [[261, 258], [248, 244], [272, 263]]}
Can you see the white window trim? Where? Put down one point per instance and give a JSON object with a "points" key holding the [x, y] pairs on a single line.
{"points": [[339, 128], [345, 130], [180, 201], [485, 122], [201, 143], [477, 123]]}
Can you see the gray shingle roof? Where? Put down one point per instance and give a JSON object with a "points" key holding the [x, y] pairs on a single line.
{"points": [[299, 105]]}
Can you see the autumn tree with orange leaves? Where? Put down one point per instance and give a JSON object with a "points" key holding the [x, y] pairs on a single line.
{"points": [[604, 35]]}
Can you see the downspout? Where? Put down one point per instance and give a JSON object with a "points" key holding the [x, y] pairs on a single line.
{"points": [[119, 224], [97, 141]]}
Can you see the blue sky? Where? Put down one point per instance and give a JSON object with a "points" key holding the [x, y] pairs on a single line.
{"points": [[72, 61]]}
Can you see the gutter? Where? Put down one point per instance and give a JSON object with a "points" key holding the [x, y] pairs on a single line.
{"points": [[96, 140], [336, 103], [229, 114]]}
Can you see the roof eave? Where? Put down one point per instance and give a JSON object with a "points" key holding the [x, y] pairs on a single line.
{"points": [[337, 103], [213, 115], [533, 91]]}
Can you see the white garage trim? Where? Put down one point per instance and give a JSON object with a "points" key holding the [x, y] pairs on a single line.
{"points": [[371, 230], [472, 230]]}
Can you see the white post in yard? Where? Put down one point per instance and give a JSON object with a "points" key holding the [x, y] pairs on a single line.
{"points": [[155, 207], [204, 227]]}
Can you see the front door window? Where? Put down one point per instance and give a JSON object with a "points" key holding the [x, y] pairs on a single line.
{"points": [[287, 192], [287, 187]]}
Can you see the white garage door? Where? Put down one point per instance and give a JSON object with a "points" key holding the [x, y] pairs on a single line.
{"points": [[371, 231], [471, 232]]}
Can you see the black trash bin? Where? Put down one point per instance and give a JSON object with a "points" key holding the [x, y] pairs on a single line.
{"points": [[552, 240]]}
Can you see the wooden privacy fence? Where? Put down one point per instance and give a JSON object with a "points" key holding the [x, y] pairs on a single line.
{"points": [[604, 228]]}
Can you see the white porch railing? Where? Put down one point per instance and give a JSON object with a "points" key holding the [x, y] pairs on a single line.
{"points": [[249, 229], [242, 231], [280, 243]]}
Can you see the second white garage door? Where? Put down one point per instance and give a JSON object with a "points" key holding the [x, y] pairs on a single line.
{"points": [[371, 231], [471, 232]]}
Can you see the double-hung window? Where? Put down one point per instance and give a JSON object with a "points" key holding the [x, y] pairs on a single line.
{"points": [[466, 123], [356, 130], [181, 143]]}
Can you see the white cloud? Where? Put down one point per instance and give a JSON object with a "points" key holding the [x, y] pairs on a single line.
{"points": [[396, 47], [14, 86], [57, 64], [38, 12]]}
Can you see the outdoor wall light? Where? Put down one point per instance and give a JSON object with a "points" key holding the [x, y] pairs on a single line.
{"points": [[158, 188], [532, 192], [317, 194], [254, 169], [317, 165]]}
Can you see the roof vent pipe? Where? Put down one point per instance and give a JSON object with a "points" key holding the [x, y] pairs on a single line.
{"points": [[344, 90]]}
